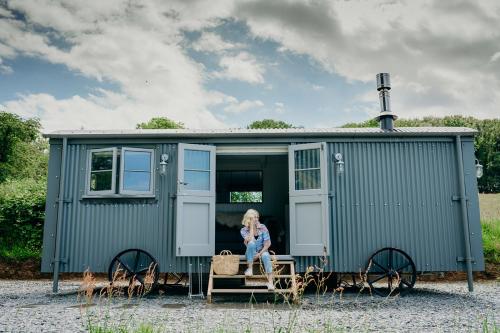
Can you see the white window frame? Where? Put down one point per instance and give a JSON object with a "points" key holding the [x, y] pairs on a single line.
{"points": [[89, 172], [151, 168]]}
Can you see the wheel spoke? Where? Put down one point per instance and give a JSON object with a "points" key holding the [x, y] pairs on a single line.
{"points": [[142, 271], [125, 266], [140, 279], [376, 263], [391, 255], [402, 267], [380, 277]]}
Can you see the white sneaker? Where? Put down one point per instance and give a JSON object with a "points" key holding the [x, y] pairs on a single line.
{"points": [[270, 286], [249, 272]]}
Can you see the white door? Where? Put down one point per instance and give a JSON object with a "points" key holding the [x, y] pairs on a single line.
{"points": [[195, 234], [309, 220]]}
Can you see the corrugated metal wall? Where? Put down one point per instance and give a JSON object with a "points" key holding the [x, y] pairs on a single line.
{"points": [[95, 230], [396, 194], [392, 193]]}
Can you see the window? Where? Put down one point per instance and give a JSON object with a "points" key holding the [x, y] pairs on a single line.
{"points": [[102, 167], [136, 171], [239, 186], [307, 169], [135, 176], [197, 170]]}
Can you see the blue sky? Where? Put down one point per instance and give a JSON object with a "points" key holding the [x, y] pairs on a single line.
{"points": [[113, 64]]}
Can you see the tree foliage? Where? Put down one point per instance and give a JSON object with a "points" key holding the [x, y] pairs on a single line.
{"points": [[22, 210], [160, 123], [268, 123], [21, 148], [486, 142]]}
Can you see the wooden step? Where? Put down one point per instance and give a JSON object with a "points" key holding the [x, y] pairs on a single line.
{"points": [[242, 276], [250, 291], [253, 281]]}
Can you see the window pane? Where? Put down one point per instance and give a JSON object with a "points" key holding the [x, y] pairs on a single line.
{"points": [[307, 159], [136, 181], [101, 181], [137, 160], [197, 180], [196, 160], [307, 179], [102, 160]]}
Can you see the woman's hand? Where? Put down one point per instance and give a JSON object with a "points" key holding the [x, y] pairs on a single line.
{"points": [[257, 256]]}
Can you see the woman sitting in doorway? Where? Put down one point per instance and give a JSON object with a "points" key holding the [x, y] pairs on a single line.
{"points": [[257, 240]]}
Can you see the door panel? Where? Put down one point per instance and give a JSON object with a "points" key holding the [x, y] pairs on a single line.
{"points": [[309, 222], [195, 234]]}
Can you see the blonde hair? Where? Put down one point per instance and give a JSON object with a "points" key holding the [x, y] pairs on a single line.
{"points": [[247, 218]]}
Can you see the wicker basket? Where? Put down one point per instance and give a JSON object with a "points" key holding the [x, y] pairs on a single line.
{"points": [[226, 263]]}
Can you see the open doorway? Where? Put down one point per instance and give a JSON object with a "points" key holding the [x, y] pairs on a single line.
{"points": [[251, 181]]}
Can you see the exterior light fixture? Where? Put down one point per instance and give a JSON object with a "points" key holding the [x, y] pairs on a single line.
{"points": [[163, 164], [340, 163], [479, 169]]}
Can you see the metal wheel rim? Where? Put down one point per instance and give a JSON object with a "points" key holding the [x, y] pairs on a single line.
{"points": [[135, 272], [399, 277]]}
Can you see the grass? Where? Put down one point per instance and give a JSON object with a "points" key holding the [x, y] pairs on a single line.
{"points": [[19, 252], [490, 223]]}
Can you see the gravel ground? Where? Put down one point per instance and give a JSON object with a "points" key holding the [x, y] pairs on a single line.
{"points": [[29, 306]]}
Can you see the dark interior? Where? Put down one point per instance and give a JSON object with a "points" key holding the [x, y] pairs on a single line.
{"points": [[266, 175]]}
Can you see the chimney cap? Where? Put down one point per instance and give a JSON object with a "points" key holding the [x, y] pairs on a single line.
{"points": [[383, 81]]}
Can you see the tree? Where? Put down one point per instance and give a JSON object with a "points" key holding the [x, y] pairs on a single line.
{"points": [[486, 142], [160, 123], [268, 123], [21, 147]]}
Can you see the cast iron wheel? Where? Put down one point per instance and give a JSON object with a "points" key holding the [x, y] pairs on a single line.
{"points": [[390, 272], [137, 267]]}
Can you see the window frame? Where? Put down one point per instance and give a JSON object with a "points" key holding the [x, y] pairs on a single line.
{"points": [[88, 191], [121, 190]]}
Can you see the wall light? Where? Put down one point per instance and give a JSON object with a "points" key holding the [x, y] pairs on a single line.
{"points": [[340, 163], [163, 164], [479, 169]]}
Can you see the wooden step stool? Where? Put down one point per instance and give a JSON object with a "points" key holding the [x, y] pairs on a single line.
{"points": [[283, 274]]}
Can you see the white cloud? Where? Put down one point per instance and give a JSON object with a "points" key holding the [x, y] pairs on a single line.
{"points": [[137, 47], [317, 87], [211, 42], [422, 44], [243, 67], [495, 57], [4, 69], [239, 107]]}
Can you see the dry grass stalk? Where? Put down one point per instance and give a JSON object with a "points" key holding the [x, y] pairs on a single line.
{"points": [[87, 287]]}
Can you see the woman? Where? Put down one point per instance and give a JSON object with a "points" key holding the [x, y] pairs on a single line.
{"points": [[257, 240]]}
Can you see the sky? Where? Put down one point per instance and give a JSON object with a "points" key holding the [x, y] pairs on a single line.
{"points": [[223, 64]]}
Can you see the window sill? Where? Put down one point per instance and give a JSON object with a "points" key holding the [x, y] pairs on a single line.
{"points": [[119, 196]]}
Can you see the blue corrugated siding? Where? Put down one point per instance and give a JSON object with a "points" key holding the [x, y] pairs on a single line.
{"points": [[396, 194], [95, 230], [391, 194]]}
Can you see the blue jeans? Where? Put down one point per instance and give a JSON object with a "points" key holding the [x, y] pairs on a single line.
{"points": [[265, 257]]}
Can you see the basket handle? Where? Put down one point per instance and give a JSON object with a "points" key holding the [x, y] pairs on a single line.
{"points": [[225, 253]]}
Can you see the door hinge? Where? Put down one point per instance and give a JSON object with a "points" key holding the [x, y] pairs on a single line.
{"points": [[462, 259], [458, 198], [61, 261], [66, 200]]}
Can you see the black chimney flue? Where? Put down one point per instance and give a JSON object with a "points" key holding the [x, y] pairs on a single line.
{"points": [[386, 117]]}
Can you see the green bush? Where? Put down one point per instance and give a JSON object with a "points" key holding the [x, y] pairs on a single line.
{"points": [[491, 241], [22, 208]]}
